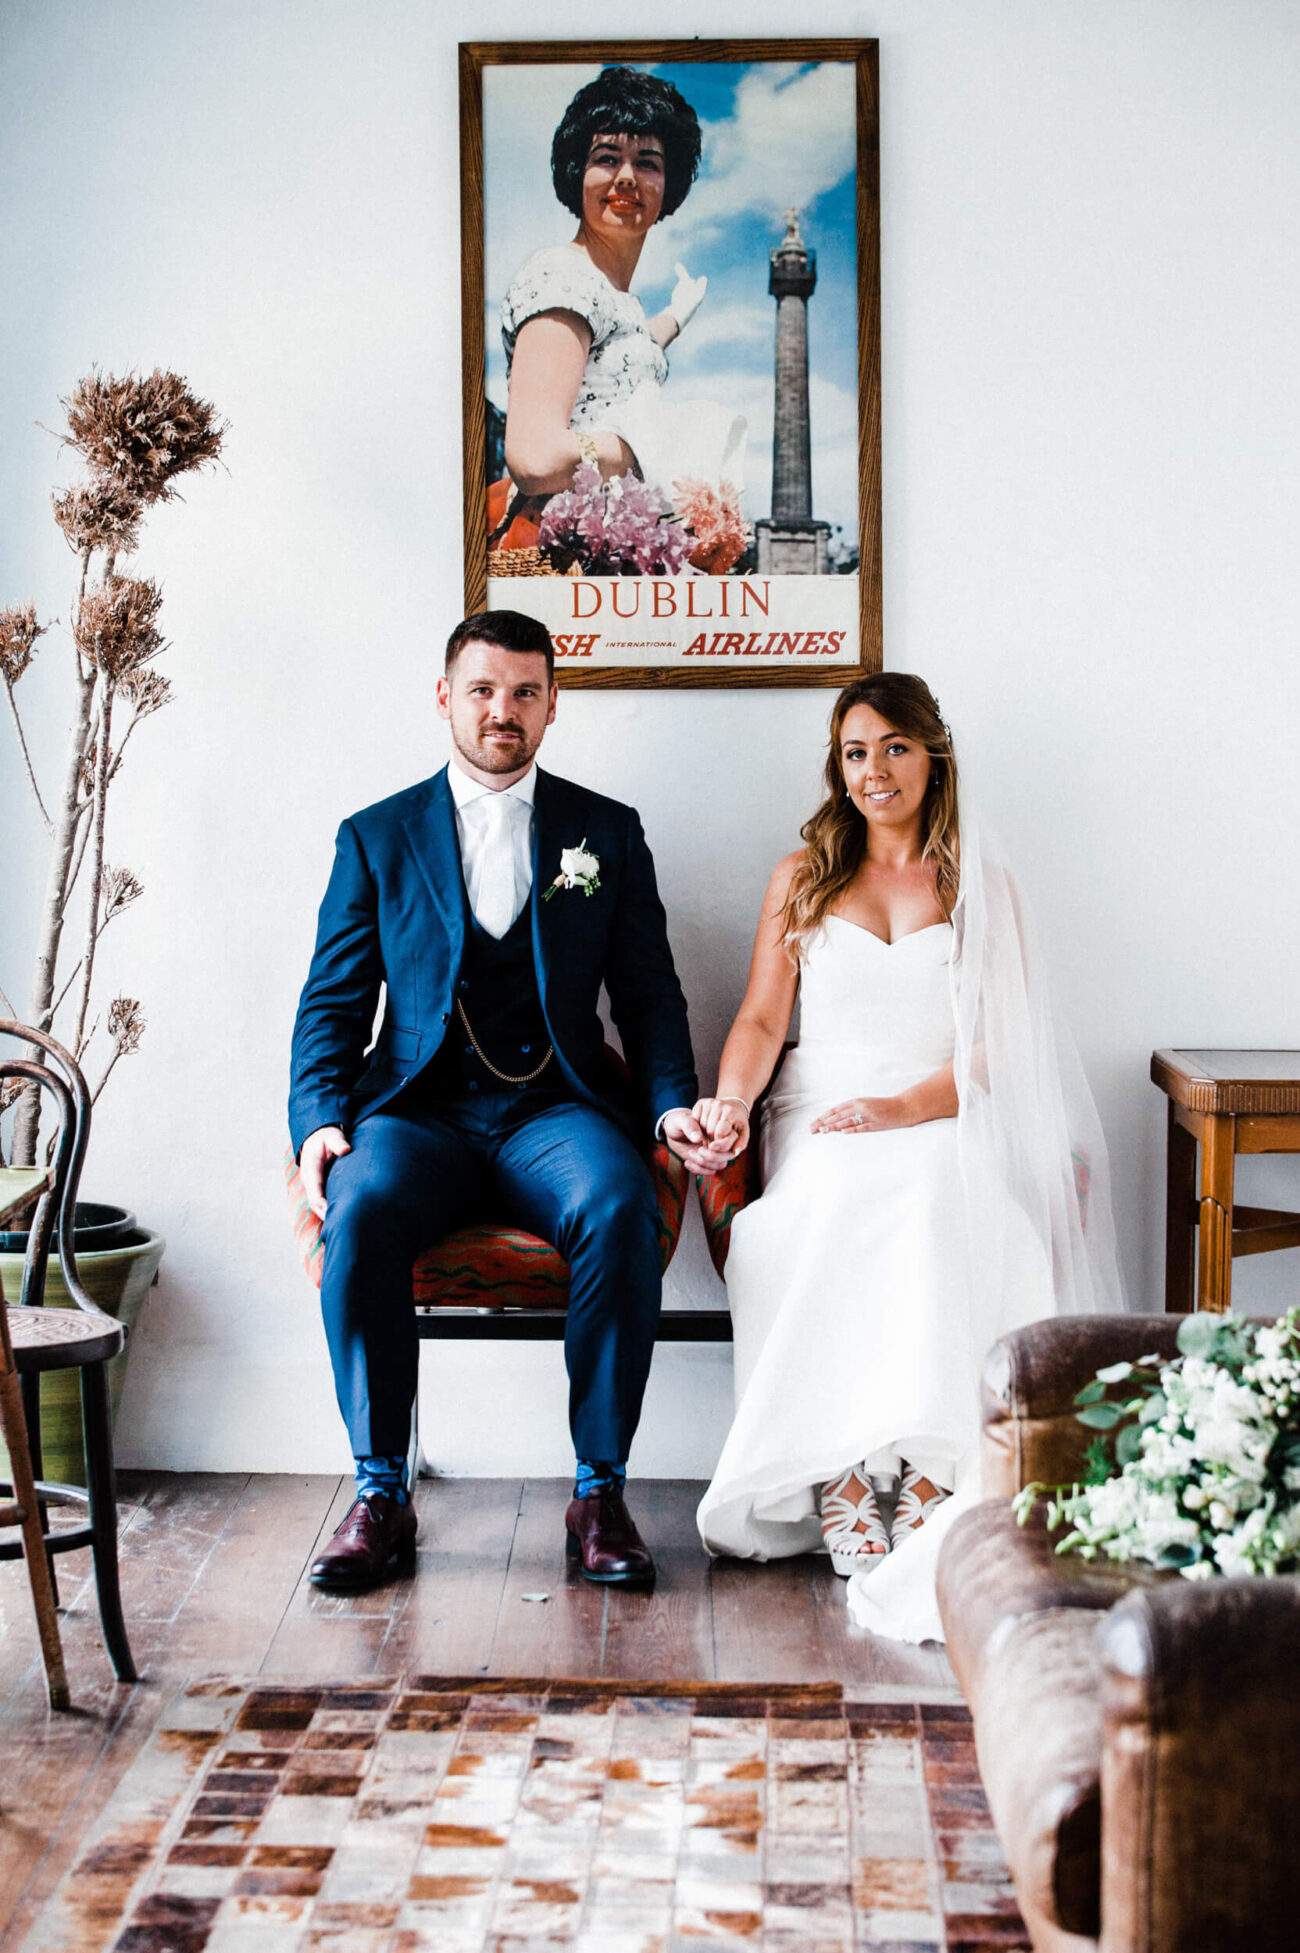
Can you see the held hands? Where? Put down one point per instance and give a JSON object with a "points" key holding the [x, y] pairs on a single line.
{"points": [[319, 1151], [688, 294], [686, 1135], [864, 1115], [725, 1123]]}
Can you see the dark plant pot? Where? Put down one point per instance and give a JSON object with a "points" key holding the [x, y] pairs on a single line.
{"points": [[117, 1280], [96, 1225]]}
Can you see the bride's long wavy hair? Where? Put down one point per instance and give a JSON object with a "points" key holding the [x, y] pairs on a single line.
{"points": [[835, 839]]}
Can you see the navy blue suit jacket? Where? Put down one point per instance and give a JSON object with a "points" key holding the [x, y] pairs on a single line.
{"points": [[396, 912]]}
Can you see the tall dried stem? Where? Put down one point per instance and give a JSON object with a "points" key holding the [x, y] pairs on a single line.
{"points": [[96, 865], [27, 758], [137, 435], [63, 841]]}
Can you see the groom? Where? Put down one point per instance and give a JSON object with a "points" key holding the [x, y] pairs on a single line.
{"points": [[488, 1076]]}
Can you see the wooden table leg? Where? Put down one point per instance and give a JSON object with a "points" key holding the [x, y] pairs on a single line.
{"points": [[1180, 1217], [1218, 1160]]}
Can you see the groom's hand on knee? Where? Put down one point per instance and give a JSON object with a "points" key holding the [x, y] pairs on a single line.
{"points": [[320, 1149]]}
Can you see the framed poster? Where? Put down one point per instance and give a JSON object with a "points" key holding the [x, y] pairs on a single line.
{"points": [[671, 355]]}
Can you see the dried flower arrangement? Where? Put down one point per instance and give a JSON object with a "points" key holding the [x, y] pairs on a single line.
{"points": [[137, 436]]}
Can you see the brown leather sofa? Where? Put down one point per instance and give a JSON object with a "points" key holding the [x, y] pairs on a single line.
{"points": [[1138, 1733]]}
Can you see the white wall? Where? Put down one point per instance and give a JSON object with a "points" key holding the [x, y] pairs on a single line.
{"points": [[1090, 423]]}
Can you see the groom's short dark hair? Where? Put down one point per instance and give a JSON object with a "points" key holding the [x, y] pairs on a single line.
{"points": [[509, 630]]}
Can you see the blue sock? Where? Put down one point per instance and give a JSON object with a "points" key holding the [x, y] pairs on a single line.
{"points": [[591, 1474], [386, 1475]]}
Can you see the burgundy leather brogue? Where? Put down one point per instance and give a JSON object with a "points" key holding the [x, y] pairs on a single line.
{"points": [[601, 1534], [375, 1534]]}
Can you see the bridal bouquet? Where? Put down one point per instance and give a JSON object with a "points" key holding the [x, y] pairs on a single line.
{"points": [[622, 527], [1196, 1465]]}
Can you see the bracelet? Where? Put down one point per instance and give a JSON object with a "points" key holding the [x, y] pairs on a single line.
{"points": [[730, 1098], [587, 454]]}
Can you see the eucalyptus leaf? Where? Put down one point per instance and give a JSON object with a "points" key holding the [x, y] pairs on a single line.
{"points": [[1196, 1334], [1153, 1409], [1115, 1373], [1179, 1554], [1101, 1417], [1092, 1393], [1128, 1445]]}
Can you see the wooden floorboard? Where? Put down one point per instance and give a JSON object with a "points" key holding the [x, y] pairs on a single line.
{"points": [[670, 1631], [214, 1575], [444, 1619], [565, 1633], [209, 1566]]}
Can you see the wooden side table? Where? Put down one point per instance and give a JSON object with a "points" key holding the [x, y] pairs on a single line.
{"points": [[1229, 1102]]}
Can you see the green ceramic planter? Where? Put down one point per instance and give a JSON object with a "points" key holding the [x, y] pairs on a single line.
{"points": [[117, 1280]]}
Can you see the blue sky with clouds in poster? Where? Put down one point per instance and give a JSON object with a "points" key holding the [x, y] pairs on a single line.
{"points": [[776, 134]]}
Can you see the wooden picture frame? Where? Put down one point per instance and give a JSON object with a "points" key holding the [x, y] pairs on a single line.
{"points": [[774, 648]]}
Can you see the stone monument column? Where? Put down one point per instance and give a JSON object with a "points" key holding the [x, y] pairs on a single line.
{"points": [[792, 543]]}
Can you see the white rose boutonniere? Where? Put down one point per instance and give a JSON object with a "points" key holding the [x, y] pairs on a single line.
{"points": [[578, 869]]}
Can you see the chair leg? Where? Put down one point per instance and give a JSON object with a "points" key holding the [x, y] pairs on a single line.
{"points": [[14, 1427], [31, 1389], [101, 1484]]}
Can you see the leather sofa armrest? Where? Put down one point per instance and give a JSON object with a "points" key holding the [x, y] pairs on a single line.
{"points": [[1200, 1793], [1031, 1377]]}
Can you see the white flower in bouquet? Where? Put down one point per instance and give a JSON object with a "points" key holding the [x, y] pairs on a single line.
{"points": [[1237, 1552]]}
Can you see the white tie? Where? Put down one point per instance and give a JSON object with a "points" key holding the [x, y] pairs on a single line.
{"points": [[496, 908]]}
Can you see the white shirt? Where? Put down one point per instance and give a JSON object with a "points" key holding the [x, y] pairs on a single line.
{"points": [[472, 817]]}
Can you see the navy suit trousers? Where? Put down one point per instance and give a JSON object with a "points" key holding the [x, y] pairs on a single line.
{"points": [[531, 1159]]}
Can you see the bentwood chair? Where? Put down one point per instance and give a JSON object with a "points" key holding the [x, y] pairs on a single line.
{"points": [[17, 1185], [38, 1339]]}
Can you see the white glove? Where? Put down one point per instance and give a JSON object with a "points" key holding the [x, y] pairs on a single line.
{"points": [[687, 295]]}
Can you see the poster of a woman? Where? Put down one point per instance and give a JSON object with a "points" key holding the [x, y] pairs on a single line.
{"points": [[679, 476]]}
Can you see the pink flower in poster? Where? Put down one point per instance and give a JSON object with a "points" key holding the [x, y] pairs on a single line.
{"points": [[713, 517], [622, 527]]}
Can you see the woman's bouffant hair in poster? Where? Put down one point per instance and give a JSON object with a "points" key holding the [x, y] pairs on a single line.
{"points": [[623, 101]]}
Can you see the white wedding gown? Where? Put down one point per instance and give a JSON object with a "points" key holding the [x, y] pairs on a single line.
{"points": [[849, 1280]]}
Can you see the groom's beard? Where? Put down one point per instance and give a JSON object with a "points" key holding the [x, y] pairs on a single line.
{"points": [[498, 754]]}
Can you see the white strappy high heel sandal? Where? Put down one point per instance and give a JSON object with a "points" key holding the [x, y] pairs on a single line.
{"points": [[852, 1527], [914, 1507]]}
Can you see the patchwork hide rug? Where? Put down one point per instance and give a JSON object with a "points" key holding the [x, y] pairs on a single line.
{"points": [[477, 1816]]}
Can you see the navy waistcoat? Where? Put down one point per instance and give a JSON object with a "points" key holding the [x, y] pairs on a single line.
{"points": [[498, 992]]}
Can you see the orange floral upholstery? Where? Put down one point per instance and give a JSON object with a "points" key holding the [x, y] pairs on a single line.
{"points": [[492, 1267], [722, 1195]]}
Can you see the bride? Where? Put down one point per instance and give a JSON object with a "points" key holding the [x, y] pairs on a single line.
{"points": [[933, 1170]]}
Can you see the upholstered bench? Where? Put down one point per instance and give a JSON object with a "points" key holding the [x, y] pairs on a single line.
{"points": [[1137, 1732], [499, 1283], [724, 1195]]}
